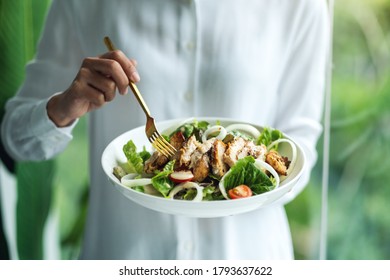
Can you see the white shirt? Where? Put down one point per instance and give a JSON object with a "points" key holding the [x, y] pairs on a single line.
{"points": [[258, 61]]}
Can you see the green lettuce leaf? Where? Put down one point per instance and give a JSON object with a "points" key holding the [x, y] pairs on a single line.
{"points": [[161, 181], [188, 129], [190, 194], [139, 189], [144, 154], [244, 172], [209, 193], [135, 160], [268, 135]]}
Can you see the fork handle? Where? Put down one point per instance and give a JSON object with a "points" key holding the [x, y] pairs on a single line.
{"points": [[133, 87], [139, 98]]}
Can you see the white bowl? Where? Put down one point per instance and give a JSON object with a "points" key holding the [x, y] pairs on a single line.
{"points": [[113, 155]]}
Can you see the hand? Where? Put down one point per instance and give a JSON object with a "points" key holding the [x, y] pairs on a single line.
{"points": [[94, 85]]}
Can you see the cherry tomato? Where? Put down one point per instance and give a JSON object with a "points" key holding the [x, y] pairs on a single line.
{"points": [[240, 191]]}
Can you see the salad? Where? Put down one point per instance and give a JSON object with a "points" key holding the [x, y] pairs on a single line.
{"points": [[212, 162]]}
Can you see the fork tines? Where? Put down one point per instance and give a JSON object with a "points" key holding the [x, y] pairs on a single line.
{"points": [[162, 145]]}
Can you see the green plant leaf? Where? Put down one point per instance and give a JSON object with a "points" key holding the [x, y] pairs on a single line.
{"points": [[20, 27], [35, 180]]}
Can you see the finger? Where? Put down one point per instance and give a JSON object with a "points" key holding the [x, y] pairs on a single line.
{"points": [[90, 95], [103, 84], [128, 65], [109, 68], [134, 62], [107, 95], [95, 97]]}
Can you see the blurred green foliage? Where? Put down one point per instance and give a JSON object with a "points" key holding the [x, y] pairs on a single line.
{"points": [[359, 192], [61, 185], [20, 28], [71, 195]]}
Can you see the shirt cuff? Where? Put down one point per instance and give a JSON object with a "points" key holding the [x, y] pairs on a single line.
{"points": [[45, 128]]}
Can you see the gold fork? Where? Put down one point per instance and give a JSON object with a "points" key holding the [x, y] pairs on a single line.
{"points": [[154, 137]]}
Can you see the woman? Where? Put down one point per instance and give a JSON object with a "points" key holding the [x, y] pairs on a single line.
{"points": [[261, 62]]}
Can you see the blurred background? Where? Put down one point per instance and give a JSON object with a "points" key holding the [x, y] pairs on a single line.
{"points": [[46, 221]]}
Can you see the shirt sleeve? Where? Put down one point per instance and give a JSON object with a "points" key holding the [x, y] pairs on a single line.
{"points": [[302, 85], [27, 132]]}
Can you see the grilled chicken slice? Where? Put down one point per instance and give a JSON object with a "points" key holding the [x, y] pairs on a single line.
{"points": [[201, 168], [245, 150], [185, 152], [158, 160], [206, 146], [155, 162], [177, 140], [218, 166], [233, 149], [279, 163], [203, 148], [257, 151], [250, 149]]}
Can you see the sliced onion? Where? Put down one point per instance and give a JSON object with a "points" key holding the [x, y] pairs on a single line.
{"points": [[253, 131], [258, 164], [293, 150], [188, 185], [262, 164], [129, 181], [221, 186], [216, 128]]}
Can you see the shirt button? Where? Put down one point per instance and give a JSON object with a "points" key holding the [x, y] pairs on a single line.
{"points": [[188, 96]]}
